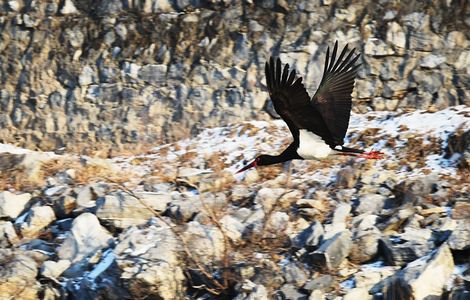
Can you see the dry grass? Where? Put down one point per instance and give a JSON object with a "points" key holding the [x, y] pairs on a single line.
{"points": [[17, 179], [21, 179]]}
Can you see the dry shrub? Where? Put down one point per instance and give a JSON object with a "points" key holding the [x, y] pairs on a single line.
{"points": [[17, 179], [248, 129], [188, 156], [214, 162], [270, 172], [84, 173]]}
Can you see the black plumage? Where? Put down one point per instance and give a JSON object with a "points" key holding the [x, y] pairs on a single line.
{"points": [[325, 116]]}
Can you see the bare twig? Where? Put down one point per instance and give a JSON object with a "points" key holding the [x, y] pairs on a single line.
{"points": [[200, 267]]}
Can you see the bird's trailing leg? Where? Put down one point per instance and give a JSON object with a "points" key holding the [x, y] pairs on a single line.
{"points": [[367, 155]]}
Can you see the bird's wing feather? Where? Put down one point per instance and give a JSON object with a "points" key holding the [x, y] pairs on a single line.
{"points": [[333, 97], [292, 102]]}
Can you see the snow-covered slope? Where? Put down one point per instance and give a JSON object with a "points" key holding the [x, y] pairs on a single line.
{"points": [[400, 136]]}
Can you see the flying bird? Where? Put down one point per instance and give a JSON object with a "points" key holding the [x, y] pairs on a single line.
{"points": [[318, 124]]}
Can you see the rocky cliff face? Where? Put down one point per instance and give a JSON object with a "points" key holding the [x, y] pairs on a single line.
{"points": [[96, 75]]}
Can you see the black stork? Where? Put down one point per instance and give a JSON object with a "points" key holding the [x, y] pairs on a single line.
{"points": [[318, 124]]}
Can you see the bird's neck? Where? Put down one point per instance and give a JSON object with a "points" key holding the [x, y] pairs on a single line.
{"points": [[288, 154]]}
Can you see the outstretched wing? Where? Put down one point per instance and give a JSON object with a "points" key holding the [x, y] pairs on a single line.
{"points": [[333, 97], [292, 102]]}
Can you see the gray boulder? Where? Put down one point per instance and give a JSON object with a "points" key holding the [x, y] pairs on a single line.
{"points": [[333, 251], [85, 238], [424, 278], [148, 259]]}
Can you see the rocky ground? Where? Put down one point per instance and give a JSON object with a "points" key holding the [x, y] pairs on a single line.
{"points": [[175, 222]]}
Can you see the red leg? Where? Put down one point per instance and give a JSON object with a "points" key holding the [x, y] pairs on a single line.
{"points": [[367, 155], [372, 155]]}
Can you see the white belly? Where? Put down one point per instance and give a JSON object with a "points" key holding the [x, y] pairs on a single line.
{"points": [[311, 146]]}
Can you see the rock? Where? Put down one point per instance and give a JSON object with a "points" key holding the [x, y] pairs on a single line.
{"points": [[365, 240], [64, 206], [8, 236], [86, 196], [463, 61], [311, 207], [398, 251], [87, 76], [252, 291], [460, 236], [357, 293], [370, 204], [122, 210], [277, 222], [53, 269], [206, 242], [241, 193], [414, 191], [432, 61], [396, 36], [424, 278], [68, 8], [316, 295], [55, 191], [338, 223], [311, 236], [85, 238], [324, 282], [186, 206], [158, 201], [289, 291], [377, 48], [148, 259], [368, 277], [18, 275], [153, 73], [12, 205], [295, 274], [38, 218], [333, 251], [346, 177], [268, 197], [233, 228]]}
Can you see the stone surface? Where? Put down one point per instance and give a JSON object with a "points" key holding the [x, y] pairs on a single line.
{"points": [[370, 203], [85, 238], [424, 278], [357, 293], [122, 210], [18, 275], [460, 236], [8, 234], [311, 236], [11, 205], [148, 258], [365, 240], [322, 282], [53, 269], [432, 61], [38, 218], [398, 251], [333, 251], [206, 242]]}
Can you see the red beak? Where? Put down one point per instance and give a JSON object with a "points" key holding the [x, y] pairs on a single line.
{"points": [[251, 165]]}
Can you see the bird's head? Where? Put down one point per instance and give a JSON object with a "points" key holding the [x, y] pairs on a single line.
{"points": [[260, 160]]}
